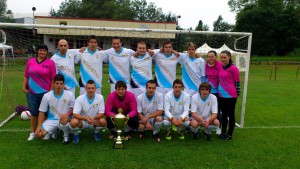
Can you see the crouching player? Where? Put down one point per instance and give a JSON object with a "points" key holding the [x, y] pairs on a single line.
{"points": [[150, 108], [177, 103], [88, 112], [59, 104], [204, 108]]}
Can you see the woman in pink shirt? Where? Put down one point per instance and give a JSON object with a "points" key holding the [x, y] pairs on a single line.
{"points": [[38, 78]]}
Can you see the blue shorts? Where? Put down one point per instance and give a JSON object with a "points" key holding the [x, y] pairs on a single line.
{"points": [[33, 102]]}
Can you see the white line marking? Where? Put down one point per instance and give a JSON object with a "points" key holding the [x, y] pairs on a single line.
{"points": [[270, 127]]}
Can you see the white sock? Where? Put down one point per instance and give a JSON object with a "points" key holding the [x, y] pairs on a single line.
{"points": [[167, 124], [156, 127]]}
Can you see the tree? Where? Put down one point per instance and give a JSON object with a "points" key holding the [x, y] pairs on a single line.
{"points": [[5, 15], [220, 25], [201, 26]]}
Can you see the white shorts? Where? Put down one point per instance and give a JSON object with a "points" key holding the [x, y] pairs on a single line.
{"points": [[50, 125], [83, 91], [86, 125], [163, 90], [138, 91], [112, 87]]}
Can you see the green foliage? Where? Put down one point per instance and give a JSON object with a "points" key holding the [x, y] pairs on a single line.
{"points": [[221, 25], [201, 26], [5, 15]]}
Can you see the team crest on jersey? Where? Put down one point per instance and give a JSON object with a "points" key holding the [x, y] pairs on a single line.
{"points": [[97, 56], [95, 105], [172, 59], [208, 103], [65, 101], [180, 103], [124, 55], [69, 57]]}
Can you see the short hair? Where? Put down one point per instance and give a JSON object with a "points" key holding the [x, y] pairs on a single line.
{"points": [[177, 81], [92, 37], [59, 77], [120, 83], [191, 44], [150, 82], [226, 52], [141, 43], [117, 37], [212, 51], [167, 42], [90, 82], [42, 46], [205, 85]]}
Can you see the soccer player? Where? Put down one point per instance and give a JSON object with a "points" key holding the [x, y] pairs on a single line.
{"points": [[59, 104], [204, 108], [165, 67], [64, 62], [38, 80], [118, 63], [141, 69], [91, 64], [229, 90], [150, 108], [126, 101], [193, 69], [177, 103], [88, 113]]}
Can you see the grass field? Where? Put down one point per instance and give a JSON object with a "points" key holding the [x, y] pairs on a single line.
{"points": [[270, 138]]}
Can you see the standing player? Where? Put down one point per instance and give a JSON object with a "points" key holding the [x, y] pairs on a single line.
{"points": [[59, 104], [150, 108], [177, 103], [141, 69], [193, 70], [204, 108], [64, 62], [126, 101], [88, 112], [91, 64], [165, 67], [118, 63]]}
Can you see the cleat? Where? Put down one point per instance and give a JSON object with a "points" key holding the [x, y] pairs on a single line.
{"points": [[195, 135], [76, 139], [174, 128], [206, 136], [97, 137], [31, 137], [180, 135], [168, 135], [229, 137], [66, 140], [222, 136], [142, 134], [218, 131], [188, 130], [156, 137], [47, 136]]}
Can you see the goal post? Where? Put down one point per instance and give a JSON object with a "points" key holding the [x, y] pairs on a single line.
{"points": [[25, 37]]}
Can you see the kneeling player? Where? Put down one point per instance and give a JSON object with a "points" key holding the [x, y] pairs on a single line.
{"points": [[204, 108], [150, 108], [177, 103], [59, 104], [88, 113]]}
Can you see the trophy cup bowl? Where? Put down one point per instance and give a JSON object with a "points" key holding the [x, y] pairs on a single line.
{"points": [[119, 121]]}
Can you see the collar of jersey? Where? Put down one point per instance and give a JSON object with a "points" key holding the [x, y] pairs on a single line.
{"points": [[120, 50], [148, 97], [90, 101], [177, 99], [167, 55], [90, 51], [204, 100], [63, 56], [58, 97], [192, 58], [142, 56]]}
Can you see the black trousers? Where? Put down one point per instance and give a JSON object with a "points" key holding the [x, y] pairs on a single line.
{"points": [[132, 122], [228, 114]]}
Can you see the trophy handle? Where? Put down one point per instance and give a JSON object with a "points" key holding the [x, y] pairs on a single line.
{"points": [[127, 119], [112, 119]]}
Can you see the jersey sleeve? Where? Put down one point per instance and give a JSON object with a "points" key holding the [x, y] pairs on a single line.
{"points": [[167, 106], [186, 106], [139, 104], [133, 106], [214, 104], [235, 75], [72, 100], [105, 58], [160, 105], [194, 103], [53, 71], [109, 105], [77, 107], [101, 106]]}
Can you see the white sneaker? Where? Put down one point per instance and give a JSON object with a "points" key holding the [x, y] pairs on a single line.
{"points": [[31, 137], [47, 136], [66, 140], [218, 131], [53, 135]]}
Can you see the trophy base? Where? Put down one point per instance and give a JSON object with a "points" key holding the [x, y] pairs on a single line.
{"points": [[119, 146]]}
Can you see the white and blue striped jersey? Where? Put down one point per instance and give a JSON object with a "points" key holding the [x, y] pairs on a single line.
{"points": [[118, 64], [86, 107], [165, 68], [204, 107], [177, 107], [141, 70], [192, 71], [65, 66], [91, 64], [147, 106], [57, 105]]}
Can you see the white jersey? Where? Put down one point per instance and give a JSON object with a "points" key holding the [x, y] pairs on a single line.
{"points": [[118, 64], [65, 66], [165, 68], [91, 64], [141, 70], [57, 105], [86, 107], [147, 106], [177, 107], [192, 71], [204, 107]]}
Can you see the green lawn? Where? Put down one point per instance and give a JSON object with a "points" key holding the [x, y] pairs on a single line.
{"points": [[270, 138]]}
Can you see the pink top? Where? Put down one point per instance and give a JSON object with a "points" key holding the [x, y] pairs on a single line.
{"points": [[212, 73], [40, 75], [227, 78], [128, 104]]}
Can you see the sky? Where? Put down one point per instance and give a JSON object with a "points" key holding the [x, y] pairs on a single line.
{"points": [[191, 11]]}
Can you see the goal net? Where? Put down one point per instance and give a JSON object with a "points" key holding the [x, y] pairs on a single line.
{"points": [[23, 40]]}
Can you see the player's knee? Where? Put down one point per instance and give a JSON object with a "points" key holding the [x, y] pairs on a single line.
{"points": [[74, 123], [216, 122], [149, 126], [102, 122], [194, 124], [141, 126]]}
